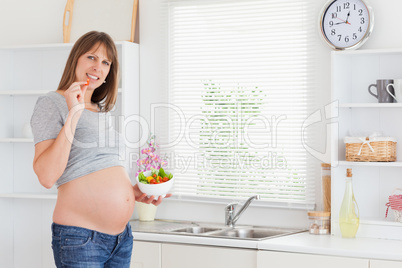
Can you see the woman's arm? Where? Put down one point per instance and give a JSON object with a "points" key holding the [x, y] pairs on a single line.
{"points": [[51, 156]]}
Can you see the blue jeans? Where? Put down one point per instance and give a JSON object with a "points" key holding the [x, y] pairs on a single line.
{"points": [[79, 247]]}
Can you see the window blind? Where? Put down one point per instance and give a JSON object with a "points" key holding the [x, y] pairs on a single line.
{"points": [[241, 84]]}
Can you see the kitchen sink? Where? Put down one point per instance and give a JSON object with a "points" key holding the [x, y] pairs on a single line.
{"points": [[254, 233], [246, 232], [195, 230], [249, 233], [213, 230]]}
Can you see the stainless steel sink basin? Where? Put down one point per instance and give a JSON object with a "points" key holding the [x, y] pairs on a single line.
{"points": [[246, 232], [254, 233], [195, 230]]}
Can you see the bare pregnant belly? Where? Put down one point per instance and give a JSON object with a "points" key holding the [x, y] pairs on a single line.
{"points": [[102, 201]]}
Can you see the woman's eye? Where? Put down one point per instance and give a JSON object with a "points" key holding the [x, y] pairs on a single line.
{"points": [[106, 63], [91, 57]]}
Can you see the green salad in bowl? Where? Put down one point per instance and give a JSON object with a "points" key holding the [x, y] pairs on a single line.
{"points": [[156, 182]]}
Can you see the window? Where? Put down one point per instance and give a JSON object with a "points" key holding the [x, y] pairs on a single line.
{"points": [[241, 85]]}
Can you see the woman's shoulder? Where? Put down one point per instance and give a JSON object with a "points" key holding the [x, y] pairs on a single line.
{"points": [[51, 99]]}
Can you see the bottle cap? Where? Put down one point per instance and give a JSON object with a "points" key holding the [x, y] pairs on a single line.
{"points": [[349, 172], [325, 165]]}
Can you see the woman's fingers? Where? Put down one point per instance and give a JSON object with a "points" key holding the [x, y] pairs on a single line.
{"points": [[75, 94], [141, 197], [158, 201], [83, 90]]}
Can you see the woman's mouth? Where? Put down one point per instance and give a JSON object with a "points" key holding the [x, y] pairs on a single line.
{"points": [[92, 77]]}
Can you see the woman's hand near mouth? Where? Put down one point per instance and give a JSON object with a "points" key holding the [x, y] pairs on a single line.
{"points": [[75, 97]]}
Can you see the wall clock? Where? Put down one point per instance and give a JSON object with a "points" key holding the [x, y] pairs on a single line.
{"points": [[346, 24]]}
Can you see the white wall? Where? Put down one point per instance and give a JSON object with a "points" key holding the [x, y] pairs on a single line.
{"points": [[26, 22], [37, 22]]}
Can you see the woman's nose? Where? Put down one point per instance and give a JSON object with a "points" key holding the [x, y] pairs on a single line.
{"points": [[97, 66]]}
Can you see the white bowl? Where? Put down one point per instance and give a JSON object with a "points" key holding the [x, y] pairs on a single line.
{"points": [[160, 189]]}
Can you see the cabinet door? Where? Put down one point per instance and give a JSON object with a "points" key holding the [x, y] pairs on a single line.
{"points": [[269, 259], [185, 256], [385, 264], [146, 255]]}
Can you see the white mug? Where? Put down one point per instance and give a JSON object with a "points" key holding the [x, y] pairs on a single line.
{"points": [[397, 86]]}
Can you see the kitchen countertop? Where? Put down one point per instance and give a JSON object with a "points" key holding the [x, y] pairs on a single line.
{"points": [[367, 248], [296, 243]]}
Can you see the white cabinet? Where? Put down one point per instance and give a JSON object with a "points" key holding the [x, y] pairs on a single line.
{"points": [[25, 206], [385, 264], [164, 255], [268, 259], [355, 111], [146, 255], [184, 256]]}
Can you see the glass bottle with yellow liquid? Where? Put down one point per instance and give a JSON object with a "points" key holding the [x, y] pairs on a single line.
{"points": [[349, 213]]}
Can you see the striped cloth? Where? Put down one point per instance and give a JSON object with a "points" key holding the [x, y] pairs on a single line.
{"points": [[395, 202]]}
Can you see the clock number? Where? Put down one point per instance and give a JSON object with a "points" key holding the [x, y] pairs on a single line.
{"points": [[346, 39], [354, 36], [354, 6], [338, 9], [334, 15], [360, 12], [331, 23], [346, 5], [360, 29], [339, 37], [333, 32], [362, 21]]}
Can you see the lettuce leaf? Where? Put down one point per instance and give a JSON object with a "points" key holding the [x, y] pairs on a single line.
{"points": [[142, 178], [162, 173]]}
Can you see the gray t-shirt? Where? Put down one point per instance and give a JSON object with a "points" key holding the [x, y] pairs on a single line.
{"points": [[96, 144]]}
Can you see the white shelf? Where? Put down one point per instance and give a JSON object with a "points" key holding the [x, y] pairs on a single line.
{"points": [[15, 140], [375, 52], [42, 47], [371, 164], [373, 228], [28, 196], [359, 112], [381, 221], [23, 92], [377, 221], [30, 92], [370, 105]]}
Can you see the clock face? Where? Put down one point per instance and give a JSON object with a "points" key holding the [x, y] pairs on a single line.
{"points": [[346, 23]]}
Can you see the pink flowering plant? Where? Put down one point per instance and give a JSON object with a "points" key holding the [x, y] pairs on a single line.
{"points": [[151, 160]]}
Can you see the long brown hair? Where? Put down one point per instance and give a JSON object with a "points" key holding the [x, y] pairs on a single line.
{"points": [[106, 94]]}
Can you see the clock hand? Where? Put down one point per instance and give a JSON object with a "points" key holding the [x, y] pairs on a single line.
{"points": [[342, 21], [347, 17]]}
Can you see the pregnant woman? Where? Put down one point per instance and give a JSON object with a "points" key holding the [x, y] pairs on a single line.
{"points": [[73, 150]]}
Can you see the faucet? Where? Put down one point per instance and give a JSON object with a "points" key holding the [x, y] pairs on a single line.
{"points": [[230, 218]]}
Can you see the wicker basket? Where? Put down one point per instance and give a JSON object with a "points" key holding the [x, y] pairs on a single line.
{"points": [[370, 150]]}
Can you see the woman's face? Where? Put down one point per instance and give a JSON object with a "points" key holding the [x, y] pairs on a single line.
{"points": [[93, 65]]}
